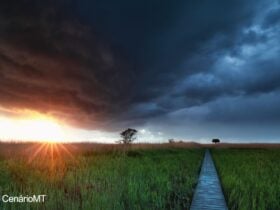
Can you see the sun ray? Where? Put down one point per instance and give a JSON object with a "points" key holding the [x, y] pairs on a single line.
{"points": [[37, 151], [61, 146], [53, 156]]}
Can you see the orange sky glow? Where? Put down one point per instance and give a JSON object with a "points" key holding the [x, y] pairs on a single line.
{"points": [[27, 125]]}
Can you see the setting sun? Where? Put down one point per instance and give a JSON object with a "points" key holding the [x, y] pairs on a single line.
{"points": [[39, 129], [28, 125]]}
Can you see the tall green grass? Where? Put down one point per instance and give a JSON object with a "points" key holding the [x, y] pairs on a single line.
{"points": [[250, 177], [136, 179]]}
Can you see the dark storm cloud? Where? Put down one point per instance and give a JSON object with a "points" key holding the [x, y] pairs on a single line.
{"points": [[245, 65], [116, 63], [239, 118], [160, 35], [272, 18], [53, 64]]}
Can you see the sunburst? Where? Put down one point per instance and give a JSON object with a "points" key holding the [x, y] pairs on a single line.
{"points": [[50, 154]]}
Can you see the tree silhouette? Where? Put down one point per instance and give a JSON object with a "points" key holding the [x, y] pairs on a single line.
{"points": [[128, 136], [215, 141], [171, 141]]}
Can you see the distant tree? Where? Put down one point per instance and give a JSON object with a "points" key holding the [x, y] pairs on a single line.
{"points": [[215, 141], [170, 141], [128, 136]]}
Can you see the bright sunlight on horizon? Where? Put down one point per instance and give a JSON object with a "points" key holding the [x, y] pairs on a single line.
{"points": [[33, 126], [39, 129]]}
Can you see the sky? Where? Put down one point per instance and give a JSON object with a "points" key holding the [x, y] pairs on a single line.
{"points": [[188, 70]]}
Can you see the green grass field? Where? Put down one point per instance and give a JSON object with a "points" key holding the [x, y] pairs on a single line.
{"points": [[89, 176], [250, 177], [136, 179]]}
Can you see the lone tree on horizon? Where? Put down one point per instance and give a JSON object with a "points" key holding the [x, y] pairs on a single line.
{"points": [[171, 141], [215, 141], [128, 136]]}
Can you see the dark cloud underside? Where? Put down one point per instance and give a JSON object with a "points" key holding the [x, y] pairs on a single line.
{"points": [[109, 64]]}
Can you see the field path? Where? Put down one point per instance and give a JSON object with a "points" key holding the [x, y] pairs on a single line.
{"points": [[208, 193]]}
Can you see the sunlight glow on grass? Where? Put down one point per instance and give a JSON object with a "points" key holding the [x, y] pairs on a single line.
{"points": [[53, 153]]}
